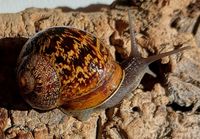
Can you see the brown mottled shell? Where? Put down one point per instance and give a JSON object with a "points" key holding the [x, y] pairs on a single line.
{"points": [[87, 73]]}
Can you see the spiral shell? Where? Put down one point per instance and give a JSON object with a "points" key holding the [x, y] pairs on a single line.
{"points": [[67, 67]]}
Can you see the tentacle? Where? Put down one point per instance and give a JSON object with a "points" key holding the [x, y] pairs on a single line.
{"points": [[153, 58], [134, 49]]}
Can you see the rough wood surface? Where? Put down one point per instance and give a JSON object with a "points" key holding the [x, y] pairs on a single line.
{"points": [[162, 107]]}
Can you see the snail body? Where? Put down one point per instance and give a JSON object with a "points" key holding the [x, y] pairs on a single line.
{"points": [[72, 69]]}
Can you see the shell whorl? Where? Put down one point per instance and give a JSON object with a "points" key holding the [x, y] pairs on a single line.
{"points": [[39, 83]]}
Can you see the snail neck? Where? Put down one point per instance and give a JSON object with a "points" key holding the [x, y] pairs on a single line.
{"points": [[135, 68], [134, 71]]}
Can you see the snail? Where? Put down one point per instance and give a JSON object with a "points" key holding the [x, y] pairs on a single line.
{"points": [[68, 68]]}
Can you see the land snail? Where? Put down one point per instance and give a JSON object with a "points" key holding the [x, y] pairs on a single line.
{"points": [[67, 68]]}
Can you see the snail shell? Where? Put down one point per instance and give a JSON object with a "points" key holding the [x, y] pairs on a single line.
{"points": [[72, 69], [69, 67]]}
